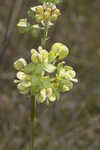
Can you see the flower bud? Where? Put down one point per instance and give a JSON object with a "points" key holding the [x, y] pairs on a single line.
{"points": [[33, 9], [43, 92], [46, 15], [40, 58], [21, 75], [52, 98], [23, 85], [48, 10], [72, 73], [74, 80], [64, 51], [20, 86], [38, 18], [36, 26], [53, 17], [56, 47], [22, 89], [49, 5], [50, 68], [49, 92], [62, 73], [60, 50], [34, 58], [40, 10], [44, 54], [50, 95], [33, 51], [57, 12], [68, 86], [65, 88], [25, 91], [69, 75], [16, 81], [42, 96], [22, 23], [68, 68], [27, 84], [20, 63], [50, 23]]}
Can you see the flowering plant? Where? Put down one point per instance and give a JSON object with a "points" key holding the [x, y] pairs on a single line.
{"points": [[46, 76]]}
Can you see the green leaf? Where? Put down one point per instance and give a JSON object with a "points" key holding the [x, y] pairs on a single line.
{"points": [[29, 68], [49, 68], [39, 69], [35, 80], [45, 82]]}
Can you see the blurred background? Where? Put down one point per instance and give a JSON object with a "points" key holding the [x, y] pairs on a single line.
{"points": [[74, 122]]}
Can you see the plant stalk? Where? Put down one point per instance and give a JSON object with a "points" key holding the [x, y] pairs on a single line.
{"points": [[32, 119], [45, 36]]}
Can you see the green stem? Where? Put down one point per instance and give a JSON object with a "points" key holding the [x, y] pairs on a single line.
{"points": [[32, 117], [45, 35]]}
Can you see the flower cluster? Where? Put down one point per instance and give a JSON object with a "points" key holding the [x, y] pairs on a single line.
{"points": [[42, 77], [44, 15]]}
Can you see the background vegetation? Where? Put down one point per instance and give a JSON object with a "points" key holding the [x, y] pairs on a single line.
{"points": [[74, 122]]}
